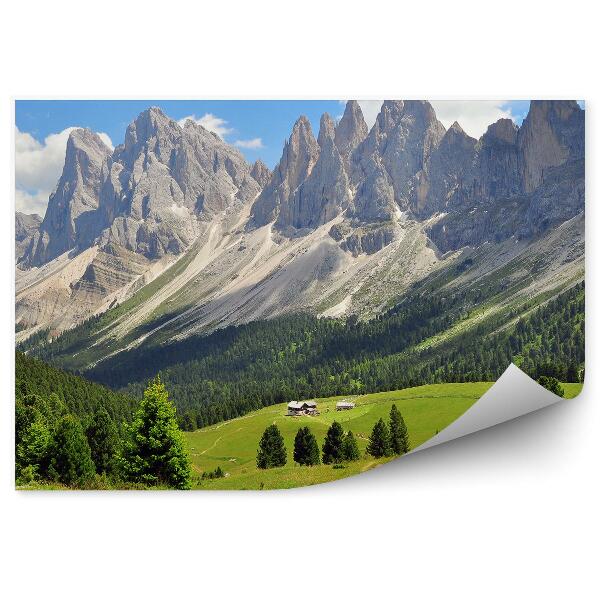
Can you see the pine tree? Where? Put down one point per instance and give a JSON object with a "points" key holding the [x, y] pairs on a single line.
{"points": [[332, 447], [103, 438], [350, 450], [271, 449], [379, 442], [306, 449], [154, 450], [31, 453], [71, 461], [399, 442]]}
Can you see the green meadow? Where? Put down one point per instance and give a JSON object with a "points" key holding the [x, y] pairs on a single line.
{"points": [[232, 445]]}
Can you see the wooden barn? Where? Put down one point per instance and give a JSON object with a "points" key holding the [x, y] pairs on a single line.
{"points": [[302, 407]]}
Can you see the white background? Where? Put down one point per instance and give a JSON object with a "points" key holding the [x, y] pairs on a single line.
{"points": [[507, 513]]}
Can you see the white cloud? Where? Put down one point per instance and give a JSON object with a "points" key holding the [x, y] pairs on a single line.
{"points": [[38, 166], [252, 144], [106, 139], [31, 203], [210, 122], [370, 110], [474, 116]]}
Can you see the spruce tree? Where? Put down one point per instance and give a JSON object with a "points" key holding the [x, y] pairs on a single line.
{"points": [[103, 438], [379, 442], [271, 449], [31, 453], [332, 447], [350, 450], [154, 451], [71, 461], [399, 443], [306, 449]]}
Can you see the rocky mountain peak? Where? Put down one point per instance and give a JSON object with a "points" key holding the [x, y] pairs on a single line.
{"points": [[503, 130], [68, 222], [326, 130], [324, 193], [389, 115], [395, 151], [261, 173], [455, 128], [151, 132], [551, 134], [299, 156], [351, 130], [456, 135]]}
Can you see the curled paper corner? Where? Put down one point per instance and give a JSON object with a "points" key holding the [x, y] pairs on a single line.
{"points": [[514, 394]]}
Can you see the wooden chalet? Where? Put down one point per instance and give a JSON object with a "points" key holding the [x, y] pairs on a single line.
{"points": [[302, 407]]}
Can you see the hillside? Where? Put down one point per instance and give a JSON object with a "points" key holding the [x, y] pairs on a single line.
{"points": [[173, 234], [433, 336], [232, 445], [80, 396]]}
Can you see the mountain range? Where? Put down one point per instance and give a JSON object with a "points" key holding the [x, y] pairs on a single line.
{"points": [[174, 233]]}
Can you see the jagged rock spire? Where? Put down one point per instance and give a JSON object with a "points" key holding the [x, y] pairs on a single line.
{"points": [[350, 131], [261, 173], [65, 225], [324, 193], [300, 153]]}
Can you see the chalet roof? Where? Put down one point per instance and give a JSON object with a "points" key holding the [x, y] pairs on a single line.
{"points": [[302, 404], [345, 403]]}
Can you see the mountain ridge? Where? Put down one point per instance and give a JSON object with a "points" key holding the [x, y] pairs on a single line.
{"points": [[344, 224]]}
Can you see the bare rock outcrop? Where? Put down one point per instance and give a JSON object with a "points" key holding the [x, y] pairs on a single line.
{"points": [[396, 150], [69, 221], [350, 132], [165, 179], [324, 193], [300, 154], [549, 137], [25, 228], [261, 173]]}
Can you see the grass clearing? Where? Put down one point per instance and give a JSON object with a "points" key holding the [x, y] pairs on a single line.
{"points": [[232, 445]]}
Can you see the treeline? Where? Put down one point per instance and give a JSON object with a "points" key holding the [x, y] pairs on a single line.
{"points": [[79, 396], [79, 434], [241, 369], [338, 446]]}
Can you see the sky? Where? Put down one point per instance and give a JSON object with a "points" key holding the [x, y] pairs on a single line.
{"points": [[257, 127]]}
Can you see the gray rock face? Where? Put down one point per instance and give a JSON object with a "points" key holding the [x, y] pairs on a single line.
{"points": [[522, 181], [350, 132], [550, 136], [261, 173], [324, 193], [25, 228], [164, 179], [69, 221], [496, 170], [445, 173], [300, 155], [363, 240], [397, 148]]}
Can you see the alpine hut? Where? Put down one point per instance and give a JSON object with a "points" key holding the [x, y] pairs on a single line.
{"points": [[302, 407]]}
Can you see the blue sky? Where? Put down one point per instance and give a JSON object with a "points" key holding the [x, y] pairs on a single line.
{"points": [[257, 127], [270, 121]]}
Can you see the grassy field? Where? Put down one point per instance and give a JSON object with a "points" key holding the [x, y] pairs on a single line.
{"points": [[232, 445]]}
